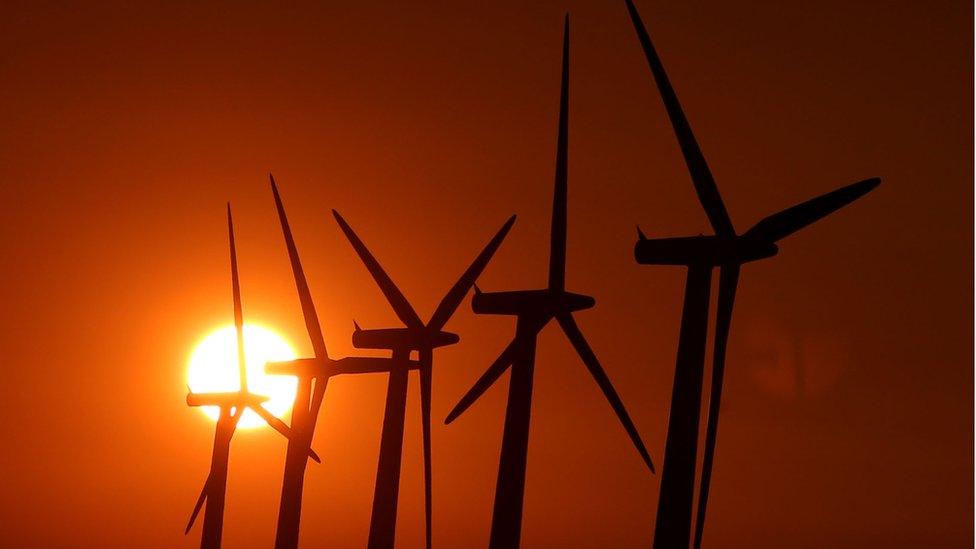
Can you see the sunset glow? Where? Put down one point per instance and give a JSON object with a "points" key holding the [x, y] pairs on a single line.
{"points": [[213, 368]]}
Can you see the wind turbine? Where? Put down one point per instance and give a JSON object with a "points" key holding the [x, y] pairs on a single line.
{"points": [[415, 336], [232, 406], [728, 251], [533, 310], [313, 375]]}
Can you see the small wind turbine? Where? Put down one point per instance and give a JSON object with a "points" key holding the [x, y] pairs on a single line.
{"points": [[533, 310], [728, 251], [232, 406], [416, 336], [309, 396]]}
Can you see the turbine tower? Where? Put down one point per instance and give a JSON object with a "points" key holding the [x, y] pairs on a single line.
{"points": [[415, 336], [308, 398], [533, 310], [313, 375], [726, 250], [232, 406]]}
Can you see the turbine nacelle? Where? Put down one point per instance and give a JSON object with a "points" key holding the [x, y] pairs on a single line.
{"points": [[545, 302], [225, 400], [702, 250], [403, 338], [313, 367]]}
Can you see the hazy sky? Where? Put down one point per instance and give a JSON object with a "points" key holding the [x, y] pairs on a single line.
{"points": [[847, 419]]}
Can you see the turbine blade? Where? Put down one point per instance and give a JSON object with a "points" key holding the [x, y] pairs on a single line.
{"points": [[198, 506], [280, 426], [453, 298], [557, 235], [318, 394], [399, 303], [426, 380], [312, 325], [493, 372], [238, 308], [790, 220], [575, 336], [701, 176], [728, 280]]}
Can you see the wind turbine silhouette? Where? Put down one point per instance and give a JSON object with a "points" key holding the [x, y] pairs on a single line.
{"points": [[313, 375], [728, 251], [415, 336], [533, 310], [232, 406]]}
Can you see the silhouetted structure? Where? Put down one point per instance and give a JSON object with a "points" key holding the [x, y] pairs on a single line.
{"points": [[415, 336], [533, 310], [313, 375], [232, 406], [700, 254]]}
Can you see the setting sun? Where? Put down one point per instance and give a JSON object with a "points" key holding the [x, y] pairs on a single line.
{"points": [[213, 368]]}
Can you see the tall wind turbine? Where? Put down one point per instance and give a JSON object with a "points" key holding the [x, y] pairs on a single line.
{"points": [[728, 251], [416, 336], [533, 310], [232, 406], [313, 375], [308, 398]]}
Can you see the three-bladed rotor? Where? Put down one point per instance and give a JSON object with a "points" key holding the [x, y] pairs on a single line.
{"points": [[725, 249], [233, 404], [416, 335], [537, 307]]}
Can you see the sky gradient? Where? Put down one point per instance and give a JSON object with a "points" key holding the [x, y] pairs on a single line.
{"points": [[847, 413]]}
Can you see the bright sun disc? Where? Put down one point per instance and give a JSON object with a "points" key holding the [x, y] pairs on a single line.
{"points": [[213, 368]]}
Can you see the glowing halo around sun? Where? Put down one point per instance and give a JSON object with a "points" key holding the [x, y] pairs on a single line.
{"points": [[212, 368]]}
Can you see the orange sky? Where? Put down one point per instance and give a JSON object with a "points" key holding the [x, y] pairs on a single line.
{"points": [[126, 129]]}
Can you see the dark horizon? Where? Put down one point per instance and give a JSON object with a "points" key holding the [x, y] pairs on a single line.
{"points": [[848, 400]]}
